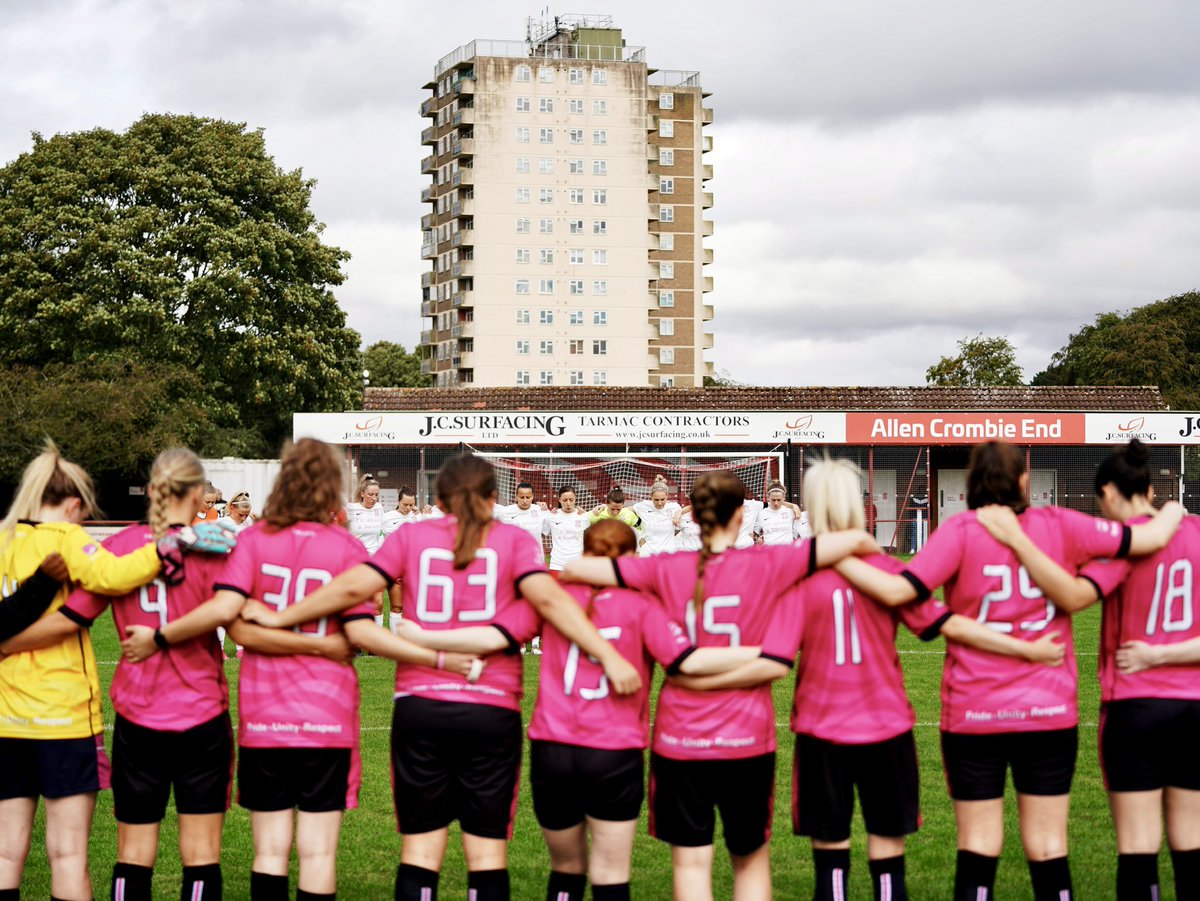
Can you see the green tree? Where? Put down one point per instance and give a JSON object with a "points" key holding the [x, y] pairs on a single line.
{"points": [[391, 366], [722, 379], [1156, 344], [178, 241], [980, 363]]}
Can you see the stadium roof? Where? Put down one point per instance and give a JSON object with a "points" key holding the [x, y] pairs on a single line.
{"points": [[1021, 397]]}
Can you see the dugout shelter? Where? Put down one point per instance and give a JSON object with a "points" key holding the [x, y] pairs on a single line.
{"points": [[912, 444]]}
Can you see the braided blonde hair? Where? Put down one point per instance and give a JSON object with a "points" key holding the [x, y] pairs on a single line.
{"points": [[175, 472], [716, 496]]}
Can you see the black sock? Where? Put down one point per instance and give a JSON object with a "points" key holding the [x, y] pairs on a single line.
{"points": [[131, 882], [1137, 877], [264, 887], [887, 875], [1051, 878], [1187, 873], [617, 891], [833, 871], [488, 885], [202, 883], [565, 886], [416, 883], [302, 895], [972, 873], [10, 894]]}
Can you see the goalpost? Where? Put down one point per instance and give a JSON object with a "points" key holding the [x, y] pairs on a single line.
{"points": [[593, 475]]}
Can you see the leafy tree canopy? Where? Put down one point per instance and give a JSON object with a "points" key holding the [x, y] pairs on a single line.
{"points": [[980, 363], [1156, 344], [722, 379], [391, 366], [177, 243]]}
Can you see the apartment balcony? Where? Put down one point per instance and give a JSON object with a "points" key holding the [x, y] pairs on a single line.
{"points": [[460, 299], [426, 279], [462, 177], [427, 336], [463, 269], [652, 123], [466, 86], [706, 117], [708, 229], [707, 200], [708, 284], [427, 107], [427, 194], [463, 208], [464, 330], [706, 144], [428, 251], [465, 360], [427, 221], [465, 147], [463, 117], [708, 312], [706, 256], [652, 212], [427, 136], [427, 307], [708, 341], [706, 172], [652, 361], [425, 367], [463, 238], [652, 153], [427, 164]]}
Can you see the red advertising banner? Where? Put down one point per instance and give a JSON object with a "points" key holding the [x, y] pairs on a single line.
{"points": [[965, 428]]}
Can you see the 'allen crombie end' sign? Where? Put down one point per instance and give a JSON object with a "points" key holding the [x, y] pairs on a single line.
{"points": [[964, 428]]}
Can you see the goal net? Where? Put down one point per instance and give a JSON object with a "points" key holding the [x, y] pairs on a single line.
{"points": [[592, 476]]}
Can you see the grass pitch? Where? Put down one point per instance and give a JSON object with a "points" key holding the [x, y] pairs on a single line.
{"points": [[370, 847]]}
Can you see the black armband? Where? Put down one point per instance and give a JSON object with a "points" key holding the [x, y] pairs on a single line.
{"points": [[935, 629], [161, 640], [1126, 541], [676, 665], [923, 593]]}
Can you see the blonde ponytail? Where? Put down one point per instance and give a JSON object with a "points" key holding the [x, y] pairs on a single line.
{"points": [[175, 472], [48, 480]]}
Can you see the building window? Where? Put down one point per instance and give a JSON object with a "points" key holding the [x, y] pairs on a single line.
{"points": [[599, 76], [575, 256], [666, 381], [523, 317], [599, 226], [666, 214], [523, 226], [600, 287], [575, 195], [522, 165], [599, 377], [546, 135], [522, 346], [546, 377], [575, 346], [523, 195], [522, 134], [666, 298], [577, 226], [666, 327], [600, 348], [666, 186], [599, 167], [524, 105], [575, 76], [546, 105], [546, 165], [666, 156], [575, 135], [576, 317], [576, 105], [575, 167], [577, 286], [666, 270], [522, 73], [522, 286], [599, 257], [666, 356], [600, 107], [522, 254], [666, 128], [546, 256], [666, 101], [600, 317], [666, 241], [546, 346], [546, 74], [545, 195], [599, 136], [576, 376], [545, 317], [522, 376], [545, 226], [546, 286]]}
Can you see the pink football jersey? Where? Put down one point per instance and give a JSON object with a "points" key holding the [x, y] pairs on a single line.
{"points": [[1150, 599], [742, 590], [180, 687], [295, 701], [438, 596], [984, 692], [575, 705], [849, 684]]}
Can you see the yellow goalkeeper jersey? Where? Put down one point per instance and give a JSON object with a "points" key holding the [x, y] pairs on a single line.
{"points": [[54, 692]]}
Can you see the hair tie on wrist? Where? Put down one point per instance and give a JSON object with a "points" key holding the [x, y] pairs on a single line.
{"points": [[161, 640], [441, 660]]}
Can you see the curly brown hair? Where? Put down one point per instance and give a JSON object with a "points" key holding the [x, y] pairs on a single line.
{"points": [[309, 486]]}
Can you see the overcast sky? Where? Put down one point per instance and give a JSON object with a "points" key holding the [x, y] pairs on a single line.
{"points": [[890, 176]]}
